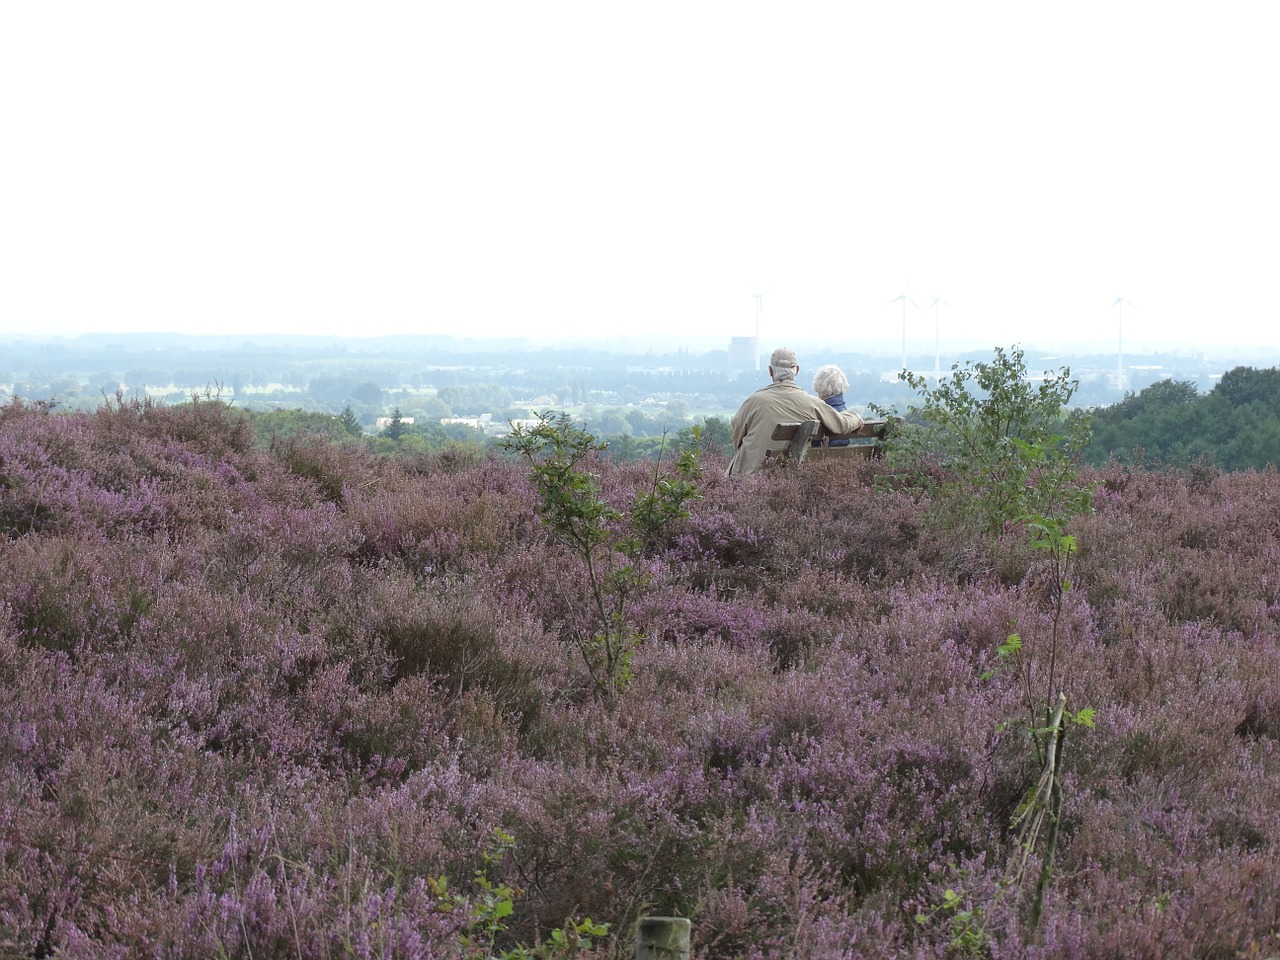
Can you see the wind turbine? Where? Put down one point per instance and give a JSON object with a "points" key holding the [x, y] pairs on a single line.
{"points": [[759, 310], [905, 300], [1118, 304], [937, 356]]}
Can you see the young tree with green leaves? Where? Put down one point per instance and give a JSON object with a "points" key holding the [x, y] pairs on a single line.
{"points": [[609, 542], [1008, 448], [1009, 452]]}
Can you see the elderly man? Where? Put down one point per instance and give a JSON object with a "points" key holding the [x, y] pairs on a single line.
{"points": [[780, 402]]}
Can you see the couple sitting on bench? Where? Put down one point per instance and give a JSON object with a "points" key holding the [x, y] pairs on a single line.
{"points": [[756, 432]]}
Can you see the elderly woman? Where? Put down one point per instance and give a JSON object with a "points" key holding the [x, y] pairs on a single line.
{"points": [[830, 383]]}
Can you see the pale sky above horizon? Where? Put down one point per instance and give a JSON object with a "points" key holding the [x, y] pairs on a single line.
{"points": [[597, 169]]}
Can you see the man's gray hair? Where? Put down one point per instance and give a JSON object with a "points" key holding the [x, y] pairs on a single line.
{"points": [[783, 364], [829, 381]]}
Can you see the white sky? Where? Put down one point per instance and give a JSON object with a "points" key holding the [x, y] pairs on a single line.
{"points": [[600, 168]]}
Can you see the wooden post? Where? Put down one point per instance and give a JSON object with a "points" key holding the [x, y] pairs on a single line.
{"points": [[663, 938], [797, 436], [800, 444]]}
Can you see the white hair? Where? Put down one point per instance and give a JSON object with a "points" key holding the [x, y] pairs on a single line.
{"points": [[783, 365], [829, 381], [782, 373]]}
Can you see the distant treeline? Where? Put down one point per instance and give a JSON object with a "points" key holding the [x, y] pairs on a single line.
{"points": [[1180, 414], [642, 436], [1235, 426]]}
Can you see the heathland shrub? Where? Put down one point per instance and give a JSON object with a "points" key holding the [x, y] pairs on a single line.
{"points": [[281, 703]]}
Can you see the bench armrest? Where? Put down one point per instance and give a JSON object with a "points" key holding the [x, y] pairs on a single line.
{"points": [[870, 430]]}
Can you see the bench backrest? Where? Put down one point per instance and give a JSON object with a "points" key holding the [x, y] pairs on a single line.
{"points": [[863, 445]]}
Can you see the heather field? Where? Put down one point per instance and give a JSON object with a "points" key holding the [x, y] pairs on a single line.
{"points": [[308, 702]]}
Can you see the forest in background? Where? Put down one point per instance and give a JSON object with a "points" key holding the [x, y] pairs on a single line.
{"points": [[1234, 426]]}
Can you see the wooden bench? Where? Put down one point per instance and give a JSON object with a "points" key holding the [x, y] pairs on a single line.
{"points": [[865, 442]]}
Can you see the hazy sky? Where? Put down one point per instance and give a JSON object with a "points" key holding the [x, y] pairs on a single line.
{"points": [[601, 168]]}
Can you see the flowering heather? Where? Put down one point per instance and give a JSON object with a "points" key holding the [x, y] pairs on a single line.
{"points": [[275, 702]]}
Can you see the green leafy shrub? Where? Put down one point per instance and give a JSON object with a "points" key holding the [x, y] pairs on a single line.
{"points": [[608, 541], [1008, 448]]}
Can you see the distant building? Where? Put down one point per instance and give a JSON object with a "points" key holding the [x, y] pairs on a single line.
{"points": [[476, 423], [743, 353]]}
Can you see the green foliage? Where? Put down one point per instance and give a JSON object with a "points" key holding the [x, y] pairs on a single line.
{"points": [[653, 512], [426, 409], [607, 540], [334, 391], [655, 421], [1083, 717], [563, 943], [1153, 424], [274, 426], [397, 428], [1006, 446], [1236, 426], [1048, 535], [624, 448], [1248, 386], [349, 422], [472, 399], [969, 938], [493, 902], [570, 500], [713, 434], [1003, 452], [1039, 815], [609, 423], [420, 441]]}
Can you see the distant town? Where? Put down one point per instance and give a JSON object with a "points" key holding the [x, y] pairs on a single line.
{"points": [[481, 386]]}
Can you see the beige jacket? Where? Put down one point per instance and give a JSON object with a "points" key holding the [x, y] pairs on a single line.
{"points": [[779, 402]]}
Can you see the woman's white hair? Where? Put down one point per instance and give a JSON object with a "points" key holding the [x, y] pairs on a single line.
{"points": [[829, 381]]}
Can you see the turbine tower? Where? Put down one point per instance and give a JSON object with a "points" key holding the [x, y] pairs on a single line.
{"points": [[759, 309], [905, 300], [937, 355], [1119, 303]]}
